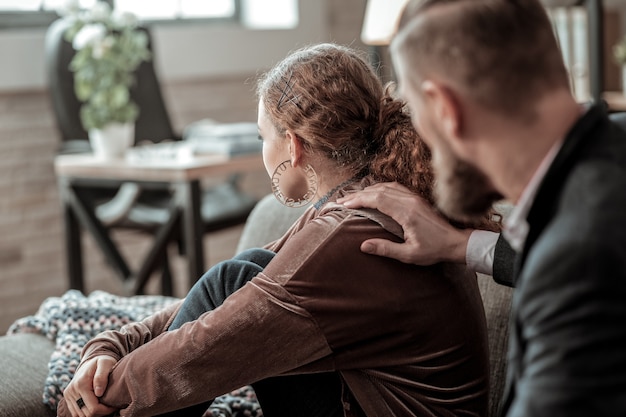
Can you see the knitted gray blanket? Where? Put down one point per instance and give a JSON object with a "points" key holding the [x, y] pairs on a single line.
{"points": [[73, 319]]}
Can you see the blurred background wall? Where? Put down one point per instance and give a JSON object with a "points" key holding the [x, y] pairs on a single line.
{"points": [[206, 72]]}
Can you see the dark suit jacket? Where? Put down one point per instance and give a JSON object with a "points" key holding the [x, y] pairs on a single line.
{"points": [[567, 342], [504, 263]]}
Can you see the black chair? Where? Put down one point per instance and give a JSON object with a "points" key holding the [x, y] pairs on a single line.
{"points": [[128, 205], [619, 119]]}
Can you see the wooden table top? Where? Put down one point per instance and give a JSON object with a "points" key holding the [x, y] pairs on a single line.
{"points": [[615, 99], [181, 169]]}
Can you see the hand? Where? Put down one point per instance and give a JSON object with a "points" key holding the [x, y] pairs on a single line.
{"points": [[89, 383], [428, 237]]}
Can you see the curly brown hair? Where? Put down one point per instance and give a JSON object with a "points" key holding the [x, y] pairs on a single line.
{"points": [[333, 100]]}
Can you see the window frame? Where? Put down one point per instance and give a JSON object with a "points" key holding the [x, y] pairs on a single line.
{"points": [[43, 18]]}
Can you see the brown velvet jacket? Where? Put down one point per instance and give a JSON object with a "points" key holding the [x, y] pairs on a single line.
{"points": [[406, 340]]}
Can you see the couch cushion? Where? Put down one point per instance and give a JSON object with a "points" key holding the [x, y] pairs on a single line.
{"points": [[24, 364], [497, 304]]}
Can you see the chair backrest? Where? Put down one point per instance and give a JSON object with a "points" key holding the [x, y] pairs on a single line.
{"points": [[153, 123], [619, 119]]}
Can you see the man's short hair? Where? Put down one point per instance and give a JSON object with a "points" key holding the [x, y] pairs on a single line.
{"points": [[502, 53]]}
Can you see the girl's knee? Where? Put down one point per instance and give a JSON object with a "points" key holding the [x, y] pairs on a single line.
{"points": [[257, 256]]}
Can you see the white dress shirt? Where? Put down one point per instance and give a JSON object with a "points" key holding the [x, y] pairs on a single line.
{"points": [[481, 244]]}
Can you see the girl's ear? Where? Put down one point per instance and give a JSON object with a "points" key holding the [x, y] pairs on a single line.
{"points": [[295, 148]]}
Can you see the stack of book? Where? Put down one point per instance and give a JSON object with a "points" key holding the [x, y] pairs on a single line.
{"points": [[207, 136]]}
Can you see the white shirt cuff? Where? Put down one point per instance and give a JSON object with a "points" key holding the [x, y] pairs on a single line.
{"points": [[480, 251]]}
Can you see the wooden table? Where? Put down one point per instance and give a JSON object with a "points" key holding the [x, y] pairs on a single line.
{"points": [[616, 100], [183, 177]]}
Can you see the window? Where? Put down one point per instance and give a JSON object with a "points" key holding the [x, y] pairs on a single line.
{"points": [[254, 14], [270, 14], [24, 13], [178, 9], [571, 30]]}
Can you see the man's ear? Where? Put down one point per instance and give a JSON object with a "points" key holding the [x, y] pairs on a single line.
{"points": [[295, 148], [446, 107]]}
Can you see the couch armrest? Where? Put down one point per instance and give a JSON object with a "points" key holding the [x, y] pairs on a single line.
{"points": [[268, 221], [23, 371]]}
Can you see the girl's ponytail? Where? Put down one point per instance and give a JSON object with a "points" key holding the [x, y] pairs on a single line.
{"points": [[401, 155]]}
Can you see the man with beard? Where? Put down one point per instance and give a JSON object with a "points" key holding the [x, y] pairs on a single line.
{"points": [[490, 95]]}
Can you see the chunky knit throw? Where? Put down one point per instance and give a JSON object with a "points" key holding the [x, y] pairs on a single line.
{"points": [[73, 319]]}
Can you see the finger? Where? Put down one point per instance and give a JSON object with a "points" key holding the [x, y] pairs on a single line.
{"points": [[103, 410], [355, 200], [92, 406], [389, 186], [79, 396], [73, 407], [394, 187], [391, 199], [372, 189], [388, 249], [374, 199], [71, 397], [91, 403], [101, 377]]}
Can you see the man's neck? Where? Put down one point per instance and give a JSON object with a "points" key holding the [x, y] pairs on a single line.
{"points": [[514, 149]]}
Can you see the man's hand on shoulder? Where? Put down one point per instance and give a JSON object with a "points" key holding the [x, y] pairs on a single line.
{"points": [[428, 237]]}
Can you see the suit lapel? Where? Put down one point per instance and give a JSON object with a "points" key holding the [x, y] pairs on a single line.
{"points": [[546, 200], [541, 212]]}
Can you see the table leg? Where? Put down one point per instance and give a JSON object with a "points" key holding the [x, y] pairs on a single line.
{"points": [[158, 254], [73, 247], [192, 228], [86, 217]]}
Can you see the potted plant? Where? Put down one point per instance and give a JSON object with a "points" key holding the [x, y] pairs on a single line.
{"points": [[619, 55], [109, 48]]}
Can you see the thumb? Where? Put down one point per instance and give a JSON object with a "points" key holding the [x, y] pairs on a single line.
{"points": [[386, 248], [101, 376]]}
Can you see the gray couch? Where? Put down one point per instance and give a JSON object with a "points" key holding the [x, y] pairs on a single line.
{"points": [[24, 358]]}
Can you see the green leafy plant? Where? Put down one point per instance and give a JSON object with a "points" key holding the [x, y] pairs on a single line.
{"points": [[619, 52], [109, 48]]}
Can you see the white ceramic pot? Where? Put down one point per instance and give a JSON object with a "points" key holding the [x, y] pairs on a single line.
{"points": [[112, 140]]}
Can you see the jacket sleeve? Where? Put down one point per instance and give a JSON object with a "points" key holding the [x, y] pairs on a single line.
{"points": [[504, 263], [118, 344], [258, 332], [571, 347]]}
